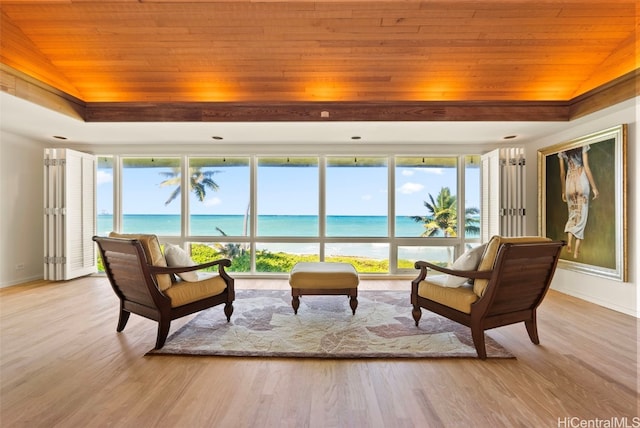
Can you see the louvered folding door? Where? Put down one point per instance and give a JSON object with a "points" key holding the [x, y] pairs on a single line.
{"points": [[69, 214], [503, 193]]}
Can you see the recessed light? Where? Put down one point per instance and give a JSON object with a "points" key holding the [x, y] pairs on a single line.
{"points": [[216, 137], [59, 137], [509, 137]]}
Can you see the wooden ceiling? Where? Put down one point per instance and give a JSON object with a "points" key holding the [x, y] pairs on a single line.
{"points": [[320, 51]]}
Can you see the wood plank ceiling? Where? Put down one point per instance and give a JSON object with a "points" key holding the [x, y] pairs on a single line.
{"points": [[320, 51]]}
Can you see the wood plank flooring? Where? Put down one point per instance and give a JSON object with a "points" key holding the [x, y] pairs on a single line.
{"points": [[62, 364]]}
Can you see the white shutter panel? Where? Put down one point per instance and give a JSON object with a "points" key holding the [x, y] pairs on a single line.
{"points": [[503, 193], [53, 222], [69, 250], [80, 214], [490, 198]]}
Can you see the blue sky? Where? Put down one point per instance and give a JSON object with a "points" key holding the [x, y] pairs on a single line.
{"points": [[287, 190]]}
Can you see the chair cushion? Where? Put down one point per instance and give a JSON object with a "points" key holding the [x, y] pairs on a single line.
{"points": [[469, 260], [489, 257], [177, 256], [152, 250], [183, 292], [459, 298]]}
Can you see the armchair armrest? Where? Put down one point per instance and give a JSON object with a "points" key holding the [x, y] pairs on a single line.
{"points": [[221, 263], [473, 274]]}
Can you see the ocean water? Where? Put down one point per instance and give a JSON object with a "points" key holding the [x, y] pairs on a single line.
{"points": [[290, 226], [269, 225]]}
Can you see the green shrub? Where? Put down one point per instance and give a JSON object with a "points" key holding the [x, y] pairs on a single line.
{"points": [[281, 262]]}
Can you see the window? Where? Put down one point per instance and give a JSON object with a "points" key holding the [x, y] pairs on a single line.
{"points": [[104, 196], [151, 190], [266, 213], [472, 197], [238, 253], [280, 257], [439, 255], [356, 197], [287, 197], [426, 202], [219, 200], [366, 257]]}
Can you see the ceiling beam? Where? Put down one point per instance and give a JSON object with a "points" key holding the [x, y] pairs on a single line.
{"points": [[326, 111]]}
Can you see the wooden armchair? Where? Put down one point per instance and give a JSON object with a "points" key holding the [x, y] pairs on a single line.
{"points": [[139, 275], [512, 278]]}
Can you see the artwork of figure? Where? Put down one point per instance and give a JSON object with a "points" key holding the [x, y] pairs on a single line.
{"points": [[577, 185]]}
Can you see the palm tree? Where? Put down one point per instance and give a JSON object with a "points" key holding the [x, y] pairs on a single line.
{"points": [[472, 221], [230, 250], [199, 182], [443, 216]]}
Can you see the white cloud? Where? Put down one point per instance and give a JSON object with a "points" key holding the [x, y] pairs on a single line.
{"points": [[210, 202], [431, 171], [409, 188], [103, 177], [366, 197]]}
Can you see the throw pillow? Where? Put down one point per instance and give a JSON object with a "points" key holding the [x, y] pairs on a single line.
{"points": [[467, 261], [440, 280], [176, 257]]}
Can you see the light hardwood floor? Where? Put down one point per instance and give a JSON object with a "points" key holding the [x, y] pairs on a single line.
{"points": [[63, 365]]}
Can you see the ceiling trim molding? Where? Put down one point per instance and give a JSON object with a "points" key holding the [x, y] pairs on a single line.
{"points": [[327, 111], [23, 86], [611, 93]]}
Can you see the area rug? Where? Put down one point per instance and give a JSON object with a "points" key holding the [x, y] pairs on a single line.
{"points": [[264, 325]]}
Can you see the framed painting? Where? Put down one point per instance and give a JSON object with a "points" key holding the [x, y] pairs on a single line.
{"points": [[582, 187]]}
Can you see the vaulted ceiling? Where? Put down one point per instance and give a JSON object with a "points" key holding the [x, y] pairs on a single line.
{"points": [[446, 50], [148, 53]]}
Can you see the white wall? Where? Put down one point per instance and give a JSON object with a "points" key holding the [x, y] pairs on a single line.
{"points": [[21, 216], [620, 296]]}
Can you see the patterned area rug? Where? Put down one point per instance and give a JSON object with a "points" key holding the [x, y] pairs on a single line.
{"points": [[264, 325]]}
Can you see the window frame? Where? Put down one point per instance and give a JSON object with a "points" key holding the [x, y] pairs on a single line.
{"points": [[458, 243]]}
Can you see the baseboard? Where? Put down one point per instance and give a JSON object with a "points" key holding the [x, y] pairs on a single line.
{"points": [[634, 312], [19, 281]]}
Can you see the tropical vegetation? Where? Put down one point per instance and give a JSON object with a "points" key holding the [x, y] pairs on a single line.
{"points": [[280, 262], [199, 182], [442, 217]]}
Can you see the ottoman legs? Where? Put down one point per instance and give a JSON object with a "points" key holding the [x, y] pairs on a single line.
{"points": [[353, 302], [295, 302], [297, 292]]}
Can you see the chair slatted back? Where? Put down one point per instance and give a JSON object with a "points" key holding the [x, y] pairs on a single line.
{"points": [[522, 276], [126, 267]]}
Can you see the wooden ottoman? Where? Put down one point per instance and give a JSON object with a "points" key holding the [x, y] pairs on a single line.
{"points": [[323, 278]]}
